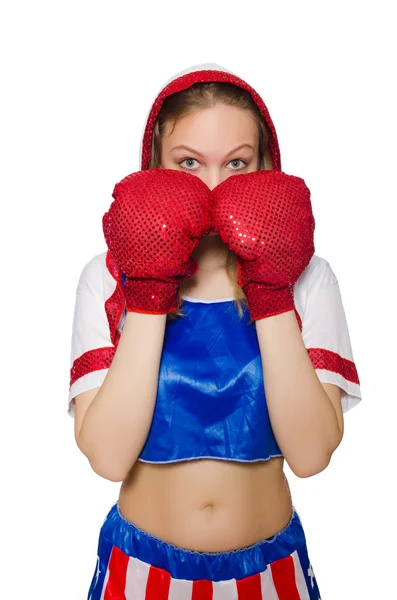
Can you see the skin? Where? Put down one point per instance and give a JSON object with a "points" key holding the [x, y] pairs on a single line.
{"points": [[212, 134], [214, 505], [208, 496]]}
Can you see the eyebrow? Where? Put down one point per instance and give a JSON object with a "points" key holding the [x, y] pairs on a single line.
{"points": [[183, 147]]}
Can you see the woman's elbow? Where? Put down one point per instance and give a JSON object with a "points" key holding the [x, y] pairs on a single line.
{"points": [[310, 468]]}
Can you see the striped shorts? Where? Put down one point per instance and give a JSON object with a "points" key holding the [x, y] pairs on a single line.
{"points": [[134, 565]]}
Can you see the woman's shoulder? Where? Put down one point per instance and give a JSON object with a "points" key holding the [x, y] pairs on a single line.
{"points": [[318, 270], [317, 274], [99, 275], [325, 331]]}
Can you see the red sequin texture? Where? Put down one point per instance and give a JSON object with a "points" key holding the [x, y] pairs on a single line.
{"points": [[153, 225], [114, 306], [266, 218], [298, 318], [92, 360], [206, 76], [326, 359]]}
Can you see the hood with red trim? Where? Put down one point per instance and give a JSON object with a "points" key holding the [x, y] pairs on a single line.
{"points": [[203, 73]]}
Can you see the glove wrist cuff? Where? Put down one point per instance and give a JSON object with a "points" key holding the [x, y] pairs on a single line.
{"points": [[151, 296], [267, 302]]}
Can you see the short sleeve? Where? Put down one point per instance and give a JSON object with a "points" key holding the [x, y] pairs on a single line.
{"points": [[92, 349], [325, 333]]}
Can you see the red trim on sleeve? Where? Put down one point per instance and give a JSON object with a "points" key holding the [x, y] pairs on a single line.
{"points": [[298, 318], [114, 306], [92, 360], [326, 359], [101, 358]]}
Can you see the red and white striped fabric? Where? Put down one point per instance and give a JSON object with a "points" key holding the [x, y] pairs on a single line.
{"points": [[129, 578]]}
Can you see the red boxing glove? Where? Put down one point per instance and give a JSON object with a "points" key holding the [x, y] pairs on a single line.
{"points": [[153, 225], [266, 218]]}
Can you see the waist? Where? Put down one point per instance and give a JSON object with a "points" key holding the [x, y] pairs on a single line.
{"points": [[208, 505]]}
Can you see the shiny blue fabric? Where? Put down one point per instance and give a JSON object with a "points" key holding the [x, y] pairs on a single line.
{"points": [[211, 400], [182, 563]]}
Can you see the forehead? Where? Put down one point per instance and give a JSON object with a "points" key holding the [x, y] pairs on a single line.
{"points": [[221, 125]]}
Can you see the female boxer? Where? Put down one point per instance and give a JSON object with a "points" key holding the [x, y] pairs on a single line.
{"points": [[209, 345]]}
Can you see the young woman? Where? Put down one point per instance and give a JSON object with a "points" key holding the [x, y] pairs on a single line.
{"points": [[209, 345]]}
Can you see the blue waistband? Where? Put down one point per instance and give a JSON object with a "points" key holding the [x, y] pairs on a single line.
{"points": [[182, 563]]}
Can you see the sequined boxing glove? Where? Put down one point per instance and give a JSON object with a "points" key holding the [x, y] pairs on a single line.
{"points": [[154, 223], [266, 218]]}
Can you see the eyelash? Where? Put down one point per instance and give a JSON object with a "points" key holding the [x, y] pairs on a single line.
{"points": [[234, 159]]}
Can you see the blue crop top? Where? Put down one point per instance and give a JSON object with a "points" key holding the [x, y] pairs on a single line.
{"points": [[211, 400]]}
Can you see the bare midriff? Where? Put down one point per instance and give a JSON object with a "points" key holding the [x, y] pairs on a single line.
{"points": [[208, 505]]}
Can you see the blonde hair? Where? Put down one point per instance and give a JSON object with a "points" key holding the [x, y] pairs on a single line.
{"points": [[198, 97]]}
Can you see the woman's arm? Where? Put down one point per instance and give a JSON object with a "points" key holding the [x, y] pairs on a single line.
{"points": [[117, 421], [302, 415]]}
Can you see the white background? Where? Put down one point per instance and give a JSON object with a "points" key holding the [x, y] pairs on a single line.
{"points": [[78, 80]]}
